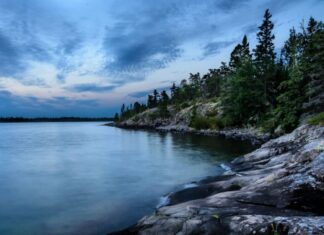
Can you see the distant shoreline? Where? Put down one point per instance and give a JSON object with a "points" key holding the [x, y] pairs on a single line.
{"points": [[59, 119]]}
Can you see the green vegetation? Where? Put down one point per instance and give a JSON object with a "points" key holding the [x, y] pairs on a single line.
{"points": [[257, 88], [317, 119]]}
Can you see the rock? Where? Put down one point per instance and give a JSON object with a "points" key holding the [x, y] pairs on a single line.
{"points": [[276, 189], [179, 122]]}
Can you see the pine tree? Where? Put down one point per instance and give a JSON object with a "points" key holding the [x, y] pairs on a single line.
{"points": [[290, 99], [122, 110], [116, 117], [164, 97], [240, 53], [241, 96], [156, 97], [150, 101], [163, 105], [265, 57], [312, 66]]}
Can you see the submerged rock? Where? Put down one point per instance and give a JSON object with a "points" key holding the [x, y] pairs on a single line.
{"points": [[277, 189]]}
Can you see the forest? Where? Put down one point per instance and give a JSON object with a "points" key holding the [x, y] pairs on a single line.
{"points": [[257, 87]]}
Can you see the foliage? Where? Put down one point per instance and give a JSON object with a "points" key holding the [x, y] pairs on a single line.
{"points": [[317, 119], [254, 89], [204, 123]]}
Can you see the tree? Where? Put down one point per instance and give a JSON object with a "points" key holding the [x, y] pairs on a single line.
{"points": [[265, 57], [137, 107], [163, 104], [164, 97], [156, 97], [241, 96], [122, 110], [291, 98], [312, 65], [173, 89], [240, 53], [150, 102], [116, 117]]}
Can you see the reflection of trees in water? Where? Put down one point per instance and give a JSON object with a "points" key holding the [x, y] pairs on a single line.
{"points": [[212, 145], [203, 146]]}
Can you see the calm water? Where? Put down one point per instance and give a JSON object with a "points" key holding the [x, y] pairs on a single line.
{"points": [[84, 178]]}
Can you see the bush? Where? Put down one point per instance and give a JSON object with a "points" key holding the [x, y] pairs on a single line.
{"points": [[154, 115], [204, 123], [227, 121], [317, 119], [185, 105], [212, 113]]}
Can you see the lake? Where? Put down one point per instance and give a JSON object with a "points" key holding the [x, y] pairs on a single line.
{"points": [[85, 178]]}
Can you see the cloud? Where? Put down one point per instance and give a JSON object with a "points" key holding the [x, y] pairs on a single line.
{"points": [[91, 50], [215, 47], [89, 87], [230, 5], [14, 106], [9, 56]]}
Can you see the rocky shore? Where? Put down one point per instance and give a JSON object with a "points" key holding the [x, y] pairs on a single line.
{"points": [[179, 121], [277, 189], [249, 134]]}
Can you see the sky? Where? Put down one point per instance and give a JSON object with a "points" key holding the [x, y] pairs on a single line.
{"points": [[88, 57]]}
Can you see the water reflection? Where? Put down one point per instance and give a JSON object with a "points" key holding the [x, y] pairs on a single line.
{"points": [[84, 178]]}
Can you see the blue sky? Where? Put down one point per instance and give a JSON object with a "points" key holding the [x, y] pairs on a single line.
{"points": [[87, 57]]}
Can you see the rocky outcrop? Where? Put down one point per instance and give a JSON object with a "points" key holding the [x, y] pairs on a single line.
{"points": [[277, 189], [179, 121]]}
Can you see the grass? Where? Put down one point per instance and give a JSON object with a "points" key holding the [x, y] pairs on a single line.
{"points": [[317, 119]]}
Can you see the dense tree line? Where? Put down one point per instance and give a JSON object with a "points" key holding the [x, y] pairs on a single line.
{"points": [[257, 87]]}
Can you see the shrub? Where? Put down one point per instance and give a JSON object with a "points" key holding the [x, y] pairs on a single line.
{"points": [[227, 121], [185, 105], [204, 123], [317, 119], [212, 113], [154, 115]]}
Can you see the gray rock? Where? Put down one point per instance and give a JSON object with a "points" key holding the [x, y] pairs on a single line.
{"points": [[277, 189]]}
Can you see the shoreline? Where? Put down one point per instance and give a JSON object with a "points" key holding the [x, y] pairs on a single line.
{"points": [[276, 189], [244, 134]]}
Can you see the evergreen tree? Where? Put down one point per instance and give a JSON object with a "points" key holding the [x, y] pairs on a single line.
{"points": [[163, 105], [240, 53], [164, 97], [150, 102], [290, 99], [137, 107], [122, 110], [312, 65], [265, 57], [116, 117], [241, 96], [173, 89], [156, 97]]}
